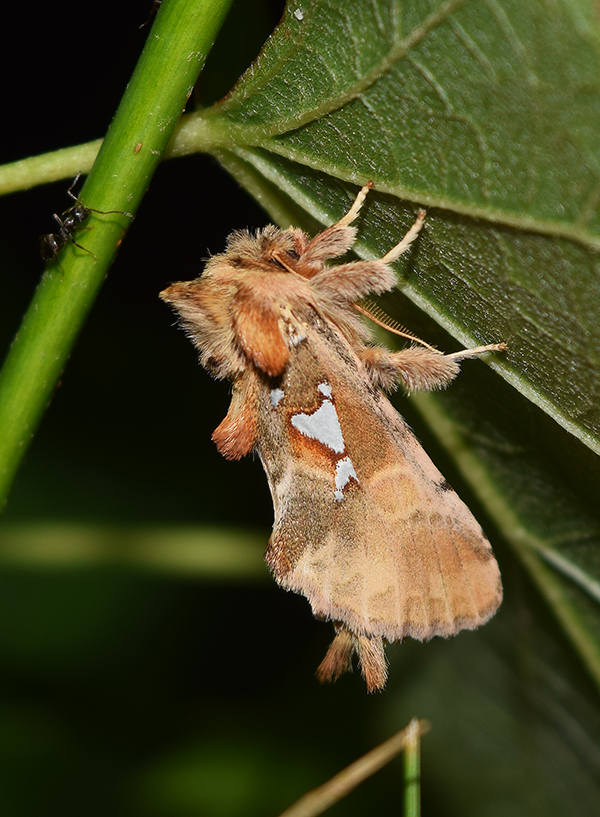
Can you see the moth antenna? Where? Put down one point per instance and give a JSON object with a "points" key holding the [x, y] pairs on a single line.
{"points": [[408, 239], [378, 316], [355, 209]]}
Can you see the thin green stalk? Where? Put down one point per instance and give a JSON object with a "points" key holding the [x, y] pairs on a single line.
{"points": [[318, 800], [168, 68], [412, 770]]}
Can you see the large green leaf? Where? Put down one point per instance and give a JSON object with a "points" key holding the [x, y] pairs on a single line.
{"points": [[488, 113]]}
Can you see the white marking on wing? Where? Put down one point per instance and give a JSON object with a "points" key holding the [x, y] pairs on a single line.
{"points": [[323, 425], [276, 397], [344, 472]]}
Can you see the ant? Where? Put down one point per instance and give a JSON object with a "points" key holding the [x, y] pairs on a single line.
{"points": [[69, 221]]}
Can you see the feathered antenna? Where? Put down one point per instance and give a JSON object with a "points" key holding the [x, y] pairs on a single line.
{"points": [[370, 310]]}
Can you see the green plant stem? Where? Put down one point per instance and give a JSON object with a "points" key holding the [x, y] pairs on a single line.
{"points": [[48, 167], [168, 68], [319, 800], [412, 770]]}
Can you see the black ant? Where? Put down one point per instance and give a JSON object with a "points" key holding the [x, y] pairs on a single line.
{"points": [[69, 221]]}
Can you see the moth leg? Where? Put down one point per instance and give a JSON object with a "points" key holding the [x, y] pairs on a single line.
{"points": [[371, 657], [478, 350], [417, 367], [373, 663], [258, 331], [236, 435], [353, 280], [408, 239], [355, 209], [337, 239]]}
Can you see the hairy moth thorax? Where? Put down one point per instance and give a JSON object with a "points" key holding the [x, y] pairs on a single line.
{"points": [[365, 526]]}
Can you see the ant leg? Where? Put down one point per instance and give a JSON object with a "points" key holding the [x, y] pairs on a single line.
{"points": [[73, 183], [91, 209], [81, 247], [106, 212]]}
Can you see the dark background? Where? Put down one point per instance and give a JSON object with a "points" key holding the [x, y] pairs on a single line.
{"points": [[128, 692], [130, 363]]}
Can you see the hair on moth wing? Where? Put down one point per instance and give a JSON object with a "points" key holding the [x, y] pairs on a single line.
{"points": [[365, 526]]}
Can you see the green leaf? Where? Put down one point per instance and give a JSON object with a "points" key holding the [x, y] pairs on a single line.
{"points": [[488, 113], [485, 112]]}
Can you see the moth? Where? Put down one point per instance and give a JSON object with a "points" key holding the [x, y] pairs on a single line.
{"points": [[365, 527]]}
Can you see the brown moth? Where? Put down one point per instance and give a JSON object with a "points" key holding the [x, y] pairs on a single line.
{"points": [[365, 525]]}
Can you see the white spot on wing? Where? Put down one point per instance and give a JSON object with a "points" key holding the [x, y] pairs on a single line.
{"points": [[344, 472], [276, 397], [323, 425]]}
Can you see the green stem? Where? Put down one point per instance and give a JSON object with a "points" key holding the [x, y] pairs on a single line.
{"points": [[168, 68], [412, 770], [318, 800]]}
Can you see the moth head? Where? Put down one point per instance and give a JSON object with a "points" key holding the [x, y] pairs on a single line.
{"points": [[203, 309], [186, 297], [266, 250]]}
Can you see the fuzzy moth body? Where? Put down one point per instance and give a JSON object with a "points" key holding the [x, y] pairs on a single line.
{"points": [[365, 525]]}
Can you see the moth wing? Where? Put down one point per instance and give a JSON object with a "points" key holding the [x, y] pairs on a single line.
{"points": [[369, 531], [418, 570], [258, 331]]}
